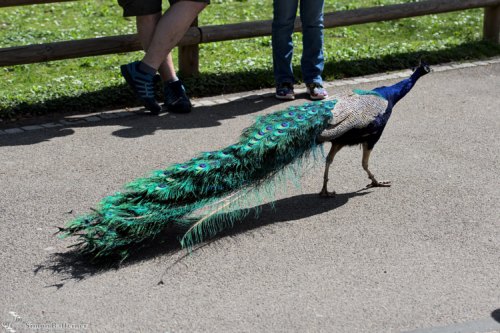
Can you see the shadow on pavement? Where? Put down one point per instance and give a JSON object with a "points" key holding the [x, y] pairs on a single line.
{"points": [[142, 123], [73, 266], [496, 315]]}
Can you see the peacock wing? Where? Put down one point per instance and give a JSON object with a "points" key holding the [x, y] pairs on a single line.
{"points": [[357, 110]]}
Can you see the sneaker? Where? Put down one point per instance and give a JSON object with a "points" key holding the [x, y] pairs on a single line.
{"points": [[285, 91], [142, 84], [316, 91], [176, 99]]}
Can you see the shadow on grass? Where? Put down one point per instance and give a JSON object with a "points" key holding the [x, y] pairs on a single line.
{"points": [[233, 82], [73, 266]]}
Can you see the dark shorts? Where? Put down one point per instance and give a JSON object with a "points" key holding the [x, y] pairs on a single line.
{"points": [[146, 7]]}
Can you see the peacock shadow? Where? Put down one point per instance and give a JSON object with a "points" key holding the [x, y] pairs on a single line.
{"points": [[74, 266], [495, 314]]}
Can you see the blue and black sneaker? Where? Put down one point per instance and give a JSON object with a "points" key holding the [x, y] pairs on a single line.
{"points": [[142, 84], [176, 99]]}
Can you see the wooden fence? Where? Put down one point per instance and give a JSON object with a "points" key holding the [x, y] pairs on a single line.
{"points": [[188, 46]]}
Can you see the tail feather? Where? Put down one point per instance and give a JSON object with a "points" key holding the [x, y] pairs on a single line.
{"points": [[169, 197]]}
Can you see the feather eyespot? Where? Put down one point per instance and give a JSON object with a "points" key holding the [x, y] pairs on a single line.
{"points": [[258, 137]]}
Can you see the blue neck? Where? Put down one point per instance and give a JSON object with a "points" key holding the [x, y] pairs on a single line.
{"points": [[397, 91]]}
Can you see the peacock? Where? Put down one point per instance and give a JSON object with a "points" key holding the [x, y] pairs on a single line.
{"points": [[196, 198], [360, 118]]}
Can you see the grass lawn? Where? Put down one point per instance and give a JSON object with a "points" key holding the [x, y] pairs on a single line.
{"points": [[94, 83]]}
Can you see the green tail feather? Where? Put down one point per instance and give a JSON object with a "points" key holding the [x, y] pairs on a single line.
{"points": [[168, 197]]}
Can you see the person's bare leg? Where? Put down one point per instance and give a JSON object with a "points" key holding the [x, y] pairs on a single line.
{"points": [[146, 26], [170, 29]]}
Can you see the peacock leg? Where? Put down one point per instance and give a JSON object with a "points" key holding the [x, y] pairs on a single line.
{"points": [[329, 159], [366, 157]]}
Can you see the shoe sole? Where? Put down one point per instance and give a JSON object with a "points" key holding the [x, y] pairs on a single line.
{"points": [[173, 109], [317, 98], [177, 108], [130, 81], [285, 98]]}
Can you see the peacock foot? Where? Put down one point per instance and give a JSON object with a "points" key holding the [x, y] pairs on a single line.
{"points": [[378, 184], [324, 193]]}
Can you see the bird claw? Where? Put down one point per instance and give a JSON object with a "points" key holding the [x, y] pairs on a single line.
{"points": [[378, 184], [326, 194]]}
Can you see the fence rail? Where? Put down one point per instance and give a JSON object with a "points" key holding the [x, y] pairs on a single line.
{"points": [[188, 55], [11, 3]]}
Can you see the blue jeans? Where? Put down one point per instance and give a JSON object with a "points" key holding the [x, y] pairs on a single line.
{"points": [[312, 61]]}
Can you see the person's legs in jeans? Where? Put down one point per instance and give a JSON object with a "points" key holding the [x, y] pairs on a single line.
{"points": [[312, 61], [284, 14]]}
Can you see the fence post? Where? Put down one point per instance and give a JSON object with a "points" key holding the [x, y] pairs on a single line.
{"points": [[491, 27], [189, 62]]}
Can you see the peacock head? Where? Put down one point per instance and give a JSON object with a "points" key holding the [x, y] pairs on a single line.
{"points": [[422, 69]]}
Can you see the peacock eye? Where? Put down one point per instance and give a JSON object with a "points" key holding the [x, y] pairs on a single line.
{"points": [[261, 133], [160, 186], [284, 124], [269, 128]]}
